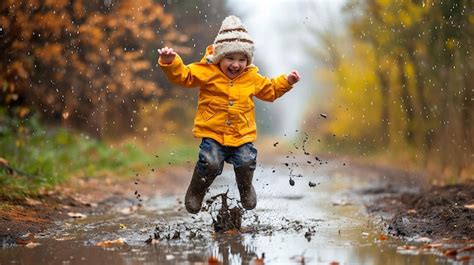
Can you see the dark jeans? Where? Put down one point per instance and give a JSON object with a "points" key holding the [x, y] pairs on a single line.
{"points": [[212, 156]]}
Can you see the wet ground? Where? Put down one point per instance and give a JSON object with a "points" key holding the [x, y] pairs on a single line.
{"points": [[318, 220]]}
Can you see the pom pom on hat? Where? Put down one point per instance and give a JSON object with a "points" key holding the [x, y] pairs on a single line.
{"points": [[232, 37]]}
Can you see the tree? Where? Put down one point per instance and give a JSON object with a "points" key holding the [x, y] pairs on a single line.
{"points": [[87, 63], [423, 66]]}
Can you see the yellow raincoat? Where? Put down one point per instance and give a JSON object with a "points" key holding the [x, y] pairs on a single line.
{"points": [[226, 111]]}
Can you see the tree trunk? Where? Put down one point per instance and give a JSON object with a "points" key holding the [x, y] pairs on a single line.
{"points": [[385, 114], [467, 117], [423, 105], [406, 103]]}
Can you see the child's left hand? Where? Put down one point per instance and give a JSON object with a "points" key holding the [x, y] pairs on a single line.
{"points": [[293, 77]]}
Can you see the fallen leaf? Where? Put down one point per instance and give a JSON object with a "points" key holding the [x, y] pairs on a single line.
{"points": [[3, 161], [383, 237], [122, 226], [464, 259], [213, 261], [408, 250], [32, 202], [333, 263], [469, 206], [232, 232], [259, 261], [27, 235], [433, 245], [20, 241], [76, 215], [412, 211], [64, 238], [340, 202], [32, 244], [465, 249], [92, 204], [450, 252], [406, 247], [108, 243], [423, 239]]}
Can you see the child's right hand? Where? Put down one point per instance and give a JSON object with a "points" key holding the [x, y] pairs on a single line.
{"points": [[166, 55]]}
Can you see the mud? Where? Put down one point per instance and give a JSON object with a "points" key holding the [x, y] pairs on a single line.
{"points": [[19, 219], [227, 218], [292, 225], [406, 207], [439, 212]]}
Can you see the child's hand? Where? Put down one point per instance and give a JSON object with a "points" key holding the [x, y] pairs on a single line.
{"points": [[166, 55], [293, 77]]}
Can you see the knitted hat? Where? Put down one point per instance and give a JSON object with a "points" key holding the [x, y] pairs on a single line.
{"points": [[232, 37]]}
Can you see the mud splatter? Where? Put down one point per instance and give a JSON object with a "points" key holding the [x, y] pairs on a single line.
{"points": [[312, 184], [305, 140], [292, 182], [292, 164], [227, 218], [136, 193], [173, 232]]}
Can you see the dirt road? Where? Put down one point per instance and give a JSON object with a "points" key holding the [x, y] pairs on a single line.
{"points": [[321, 219]]}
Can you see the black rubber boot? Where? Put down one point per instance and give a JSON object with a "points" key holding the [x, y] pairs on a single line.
{"points": [[196, 191], [248, 196]]}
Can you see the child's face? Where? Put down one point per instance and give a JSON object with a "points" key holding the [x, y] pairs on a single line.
{"points": [[233, 64]]}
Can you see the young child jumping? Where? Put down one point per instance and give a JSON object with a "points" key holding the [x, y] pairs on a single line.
{"points": [[225, 117]]}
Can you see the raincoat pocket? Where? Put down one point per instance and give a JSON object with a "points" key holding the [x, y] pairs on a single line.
{"points": [[249, 118], [207, 112]]}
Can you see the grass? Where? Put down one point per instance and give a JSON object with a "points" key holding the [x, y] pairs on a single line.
{"points": [[46, 157]]}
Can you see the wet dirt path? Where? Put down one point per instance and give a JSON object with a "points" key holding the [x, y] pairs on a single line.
{"points": [[295, 224]]}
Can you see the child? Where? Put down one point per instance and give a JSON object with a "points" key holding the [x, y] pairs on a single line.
{"points": [[225, 117]]}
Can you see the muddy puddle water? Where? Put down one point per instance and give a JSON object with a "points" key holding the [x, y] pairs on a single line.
{"points": [[295, 224]]}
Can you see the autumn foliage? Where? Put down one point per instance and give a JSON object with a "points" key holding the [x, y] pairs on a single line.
{"points": [[402, 82], [87, 64]]}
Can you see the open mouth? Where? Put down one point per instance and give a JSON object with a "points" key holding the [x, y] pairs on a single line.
{"points": [[234, 72]]}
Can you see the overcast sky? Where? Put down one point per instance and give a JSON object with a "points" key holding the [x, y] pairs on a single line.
{"points": [[279, 29]]}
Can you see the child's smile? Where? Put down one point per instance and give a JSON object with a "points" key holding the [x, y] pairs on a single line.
{"points": [[233, 64]]}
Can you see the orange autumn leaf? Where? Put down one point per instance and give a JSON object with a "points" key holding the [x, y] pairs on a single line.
{"points": [[17, 68], [213, 261], [232, 232], [108, 243]]}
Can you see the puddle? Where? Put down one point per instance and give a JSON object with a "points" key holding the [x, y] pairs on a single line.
{"points": [[292, 225]]}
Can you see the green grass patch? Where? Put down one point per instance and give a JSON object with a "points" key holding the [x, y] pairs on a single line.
{"points": [[45, 157]]}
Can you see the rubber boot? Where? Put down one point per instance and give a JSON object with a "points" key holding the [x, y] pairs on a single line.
{"points": [[248, 196], [196, 191]]}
